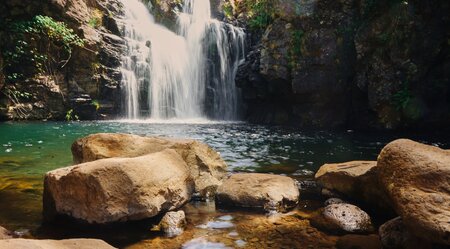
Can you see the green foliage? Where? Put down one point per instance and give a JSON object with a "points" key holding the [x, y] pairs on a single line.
{"points": [[228, 10], [37, 46], [71, 116], [48, 27], [403, 97], [96, 19], [96, 104], [297, 36], [260, 13]]}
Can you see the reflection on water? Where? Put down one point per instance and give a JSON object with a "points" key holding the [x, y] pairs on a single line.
{"points": [[28, 150]]}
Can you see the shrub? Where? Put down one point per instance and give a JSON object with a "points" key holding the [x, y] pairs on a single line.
{"points": [[38, 46]]}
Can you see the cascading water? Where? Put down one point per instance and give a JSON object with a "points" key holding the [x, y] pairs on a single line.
{"points": [[184, 74]]}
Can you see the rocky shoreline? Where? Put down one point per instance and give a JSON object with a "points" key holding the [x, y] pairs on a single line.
{"points": [[119, 177]]}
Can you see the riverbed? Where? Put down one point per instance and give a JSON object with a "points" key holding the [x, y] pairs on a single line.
{"points": [[30, 149]]}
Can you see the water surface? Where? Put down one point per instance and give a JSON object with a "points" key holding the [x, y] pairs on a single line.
{"points": [[29, 150]]}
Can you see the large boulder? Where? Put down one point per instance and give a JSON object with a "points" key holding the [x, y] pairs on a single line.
{"points": [[54, 244], [343, 218], [356, 180], [261, 191], [118, 189], [417, 179], [206, 166]]}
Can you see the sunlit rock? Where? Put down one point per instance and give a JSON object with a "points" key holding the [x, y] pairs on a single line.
{"points": [[261, 191], [118, 189], [55, 244], [205, 165], [417, 179]]}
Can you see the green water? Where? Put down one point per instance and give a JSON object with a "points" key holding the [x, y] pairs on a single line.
{"points": [[29, 150]]}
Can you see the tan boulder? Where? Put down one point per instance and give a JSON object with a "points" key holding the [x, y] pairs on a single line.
{"points": [[206, 166], [356, 180], [263, 191], [416, 177], [54, 244], [118, 189], [4, 233], [173, 223]]}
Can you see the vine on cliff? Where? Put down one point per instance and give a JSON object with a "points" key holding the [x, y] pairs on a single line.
{"points": [[38, 46]]}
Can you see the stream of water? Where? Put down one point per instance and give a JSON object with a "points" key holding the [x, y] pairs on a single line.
{"points": [[187, 73]]}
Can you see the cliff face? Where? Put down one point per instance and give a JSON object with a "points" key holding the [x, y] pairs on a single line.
{"points": [[80, 81], [353, 63]]}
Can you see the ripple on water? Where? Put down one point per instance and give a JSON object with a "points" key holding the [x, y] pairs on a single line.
{"points": [[201, 243], [216, 225]]}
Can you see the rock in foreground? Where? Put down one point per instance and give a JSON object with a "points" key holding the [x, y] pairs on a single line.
{"points": [[261, 191], [54, 244], [355, 180], [417, 180], [118, 189], [173, 223], [206, 166], [5, 234], [343, 217]]}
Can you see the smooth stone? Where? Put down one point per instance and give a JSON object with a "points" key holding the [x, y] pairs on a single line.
{"points": [[416, 178], [206, 167], [356, 180], [118, 189], [394, 234], [260, 191]]}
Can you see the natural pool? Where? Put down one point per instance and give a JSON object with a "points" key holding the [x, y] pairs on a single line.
{"points": [[28, 150]]}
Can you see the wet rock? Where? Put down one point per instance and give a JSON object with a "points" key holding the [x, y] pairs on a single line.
{"points": [[118, 189], [333, 201], [205, 165], [173, 223], [309, 189], [261, 191], [343, 218], [55, 244], [356, 180], [416, 178], [394, 235], [356, 241], [5, 234]]}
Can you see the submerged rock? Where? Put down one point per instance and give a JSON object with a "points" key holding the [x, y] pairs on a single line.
{"points": [[356, 241], [118, 189], [393, 234], [173, 223], [206, 167], [356, 180], [417, 180], [261, 191], [54, 244], [343, 218]]}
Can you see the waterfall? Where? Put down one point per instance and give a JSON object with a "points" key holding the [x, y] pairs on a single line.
{"points": [[187, 73]]}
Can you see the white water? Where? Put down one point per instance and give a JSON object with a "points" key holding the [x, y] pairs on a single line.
{"points": [[187, 74]]}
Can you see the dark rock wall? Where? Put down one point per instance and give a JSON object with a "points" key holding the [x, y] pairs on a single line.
{"points": [[349, 63], [89, 83]]}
